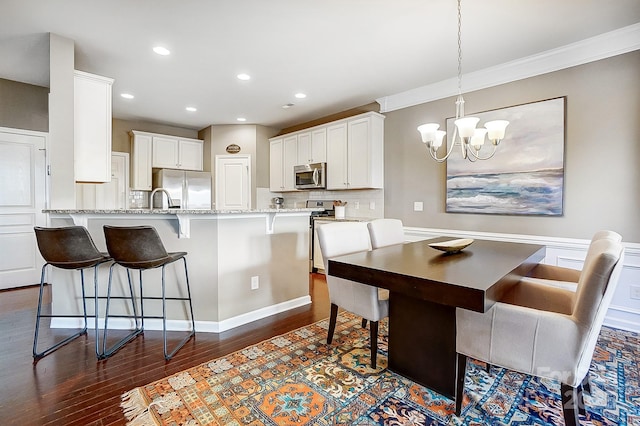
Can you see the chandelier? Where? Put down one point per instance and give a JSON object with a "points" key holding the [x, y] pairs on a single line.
{"points": [[471, 138]]}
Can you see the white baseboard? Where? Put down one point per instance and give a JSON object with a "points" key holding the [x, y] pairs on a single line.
{"points": [[184, 325]]}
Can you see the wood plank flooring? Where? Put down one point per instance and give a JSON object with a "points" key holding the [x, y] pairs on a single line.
{"points": [[70, 387]]}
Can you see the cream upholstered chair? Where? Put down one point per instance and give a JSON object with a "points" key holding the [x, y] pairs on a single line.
{"points": [[385, 232], [544, 331], [341, 238], [566, 278]]}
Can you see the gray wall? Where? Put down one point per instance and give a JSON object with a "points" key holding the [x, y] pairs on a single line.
{"points": [[24, 106], [602, 153]]}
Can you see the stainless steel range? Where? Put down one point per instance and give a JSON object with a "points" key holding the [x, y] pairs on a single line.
{"points": [[314, 248]]}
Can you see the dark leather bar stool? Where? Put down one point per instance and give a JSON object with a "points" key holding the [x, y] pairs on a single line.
{"points": [[68, 248], [140, 248]]}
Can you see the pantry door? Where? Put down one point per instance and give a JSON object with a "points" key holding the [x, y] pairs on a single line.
{"points": [[233, 182], [22, 198]]}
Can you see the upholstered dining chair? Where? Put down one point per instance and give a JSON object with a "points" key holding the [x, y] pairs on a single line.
{"points": [[341, 238], [544, 331], [385, 232], [69, 248], [566, 278]]}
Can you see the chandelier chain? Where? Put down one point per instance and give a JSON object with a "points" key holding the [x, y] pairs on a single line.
{"points": [[459, 47]]}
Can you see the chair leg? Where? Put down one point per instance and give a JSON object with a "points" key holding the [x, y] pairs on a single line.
{"points": [[37, 355], [168, 356], [570, 398], [586, 384], [373, 341], [332, 322], [364, 323], [461, 371], [106, 353]]}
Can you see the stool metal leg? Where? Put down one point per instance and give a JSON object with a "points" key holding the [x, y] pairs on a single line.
{"points": [[164, 315], [137, 330], [37, 355]]}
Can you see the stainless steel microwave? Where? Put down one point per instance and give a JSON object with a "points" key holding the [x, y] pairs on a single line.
{"points": [[311, 176]]}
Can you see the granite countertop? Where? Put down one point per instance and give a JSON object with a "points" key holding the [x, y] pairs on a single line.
{"points": [[181, 211], [345, 219]]}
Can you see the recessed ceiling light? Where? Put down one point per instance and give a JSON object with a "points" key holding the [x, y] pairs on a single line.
{"points": [[127, 95], [244, 77], [161, 50], [241, 119], [191, 109], [300, 95]]}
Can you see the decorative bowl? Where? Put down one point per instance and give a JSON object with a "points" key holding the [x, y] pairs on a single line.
{"points": [[452, 246]]}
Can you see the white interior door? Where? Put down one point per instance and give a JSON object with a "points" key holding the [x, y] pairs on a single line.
{"points": [[115, 194], [233, 182], [22, 198]]}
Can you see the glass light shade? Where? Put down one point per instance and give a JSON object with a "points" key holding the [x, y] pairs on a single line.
{"points": [[496, 129], [437, 140], [466, 126], [477, 140], [428, 131]]}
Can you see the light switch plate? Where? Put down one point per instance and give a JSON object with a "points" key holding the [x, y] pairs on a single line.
{"points": [[417, 206], [372, 205]]}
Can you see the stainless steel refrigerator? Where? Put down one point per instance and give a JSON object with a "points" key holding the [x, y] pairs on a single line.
{"points": [[188, 189]]}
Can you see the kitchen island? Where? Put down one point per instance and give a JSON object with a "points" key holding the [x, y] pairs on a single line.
{"points": [[229, 252]]}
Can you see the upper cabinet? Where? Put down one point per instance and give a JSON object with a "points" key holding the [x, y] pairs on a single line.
{"points": [[177, 153], [151, 150], [92, 127], [141, 173], [312, 146], [353, 149], [283, 155]]}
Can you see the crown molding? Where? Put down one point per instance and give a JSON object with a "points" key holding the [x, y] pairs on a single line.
{"points": [[613, 43]]}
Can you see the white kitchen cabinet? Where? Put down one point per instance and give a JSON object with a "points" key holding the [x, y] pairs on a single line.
{"points": [[92, 127], [177, 153], [355, 153], [318, 260], [141, 148], [337, 173], [283, 156], [312, 146]]}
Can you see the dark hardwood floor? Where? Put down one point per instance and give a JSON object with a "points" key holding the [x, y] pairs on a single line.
{"points": [[70, 387]]}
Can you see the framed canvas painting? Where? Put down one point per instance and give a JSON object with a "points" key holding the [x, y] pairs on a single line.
{"points": [[526, 174]]}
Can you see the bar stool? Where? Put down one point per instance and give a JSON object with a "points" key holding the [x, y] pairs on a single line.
{"points": [[68, 248], [140, 248]]}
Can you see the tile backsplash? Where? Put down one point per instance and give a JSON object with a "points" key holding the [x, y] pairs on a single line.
{"points": [[365, 203]]}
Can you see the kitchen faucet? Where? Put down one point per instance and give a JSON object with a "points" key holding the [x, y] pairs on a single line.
{"points": [[154, 193]]}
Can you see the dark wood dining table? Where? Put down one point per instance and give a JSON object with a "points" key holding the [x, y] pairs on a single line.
{"points": [[425, 288]]}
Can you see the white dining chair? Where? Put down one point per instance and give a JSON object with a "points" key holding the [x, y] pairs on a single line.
{"points": [[342, 238], [544, 331], [567, 278], [385, 232]]}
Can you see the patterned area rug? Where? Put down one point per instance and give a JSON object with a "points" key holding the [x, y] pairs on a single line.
{"points": [[297, 379]]}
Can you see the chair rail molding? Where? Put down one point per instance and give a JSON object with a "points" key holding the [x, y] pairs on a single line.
{"points": [[613, 43], [624, 311]]}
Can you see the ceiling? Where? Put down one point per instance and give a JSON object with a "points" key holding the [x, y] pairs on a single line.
{"points": [[340, 53]]}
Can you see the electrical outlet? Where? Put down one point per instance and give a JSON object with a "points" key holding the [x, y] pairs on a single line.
{"points": [[635, 291], [417, 206], [356, 205], [372, 205], [255, 283]]}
